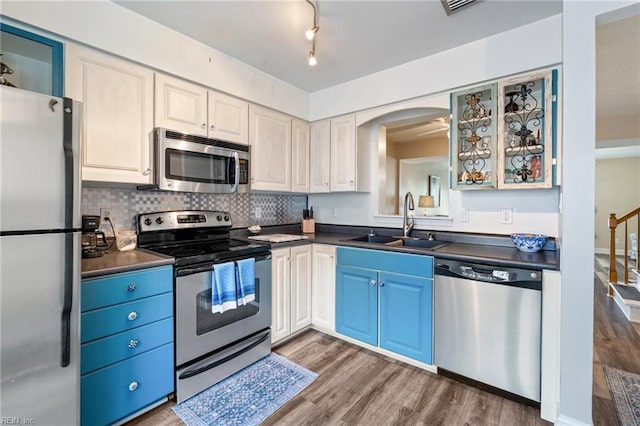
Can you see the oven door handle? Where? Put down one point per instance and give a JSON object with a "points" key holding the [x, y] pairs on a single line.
{"points": [[208, 267], [199, 370]]}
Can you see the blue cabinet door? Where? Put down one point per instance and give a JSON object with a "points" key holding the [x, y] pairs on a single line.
{"points": [[357, 303], [406, 304]]}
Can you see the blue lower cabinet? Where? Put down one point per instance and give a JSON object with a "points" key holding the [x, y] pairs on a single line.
{"points": [[108, 350], [386, 299], [357, 303], [406, 305], [115, 392]]}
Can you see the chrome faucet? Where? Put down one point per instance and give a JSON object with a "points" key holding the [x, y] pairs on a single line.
{"points": [[407, 222]]}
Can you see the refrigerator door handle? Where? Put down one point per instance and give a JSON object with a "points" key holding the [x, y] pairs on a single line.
{"points": [[67, 303]]}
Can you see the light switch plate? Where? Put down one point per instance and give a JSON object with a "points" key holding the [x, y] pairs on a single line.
{"points": [[506, 216]]}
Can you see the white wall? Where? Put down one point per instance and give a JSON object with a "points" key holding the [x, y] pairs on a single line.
{"points": [[114, 29], [481, 60], [493, 57], [577, 217]]}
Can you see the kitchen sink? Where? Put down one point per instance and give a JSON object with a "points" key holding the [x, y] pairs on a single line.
{"points": [[427, 244], [400, 241], [377, 239]]}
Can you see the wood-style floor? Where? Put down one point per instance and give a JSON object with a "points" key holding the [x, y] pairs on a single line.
{"points": [[358, 387], [616, 343]]}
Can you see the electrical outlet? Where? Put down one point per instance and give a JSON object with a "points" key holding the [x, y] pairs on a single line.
{"points": [[104, 213], [506, 216], [258, 212], [335, 212], [464, 214]]}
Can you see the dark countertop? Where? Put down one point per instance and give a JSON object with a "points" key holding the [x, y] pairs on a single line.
{"points": [[478, 248], [122, 261]]}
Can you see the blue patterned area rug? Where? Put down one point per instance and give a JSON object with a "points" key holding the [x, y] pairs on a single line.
{"points": [[625, 389], [249, 396]]}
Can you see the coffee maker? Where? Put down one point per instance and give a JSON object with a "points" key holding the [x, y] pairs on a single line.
{"points": [[93, 241]]}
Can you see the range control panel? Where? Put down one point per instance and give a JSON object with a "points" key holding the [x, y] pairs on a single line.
{"points": [[183, 219]]}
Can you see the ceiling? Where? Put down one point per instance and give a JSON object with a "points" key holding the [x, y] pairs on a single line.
{"points": [[356, 38]]}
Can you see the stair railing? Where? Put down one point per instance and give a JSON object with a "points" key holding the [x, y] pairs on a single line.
{"points": [[613, 224]]}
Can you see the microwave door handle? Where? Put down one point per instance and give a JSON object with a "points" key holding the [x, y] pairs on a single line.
{"points": [[237, 175]]}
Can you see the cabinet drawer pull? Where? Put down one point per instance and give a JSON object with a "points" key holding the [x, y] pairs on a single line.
{"points": [[373, 283], [381, 283], [147, 172], [204, 125], [132, 316], [133, 343], [213, 127], [133, 386], [131, 287]]}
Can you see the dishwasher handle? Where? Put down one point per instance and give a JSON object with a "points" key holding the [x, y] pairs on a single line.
{"points": [[493, 274]]}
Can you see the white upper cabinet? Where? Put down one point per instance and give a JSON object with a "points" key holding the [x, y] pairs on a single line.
{"points": [[299, 156], [180, 105], [228, 118], [117, 123], [189, 108], [270, 140], [343, 153], [320, 159]]}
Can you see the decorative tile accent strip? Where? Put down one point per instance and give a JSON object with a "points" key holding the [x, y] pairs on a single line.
{"points": [[125, 204]]}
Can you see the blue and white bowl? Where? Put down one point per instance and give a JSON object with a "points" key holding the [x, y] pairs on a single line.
{"points": [[529, 242]]}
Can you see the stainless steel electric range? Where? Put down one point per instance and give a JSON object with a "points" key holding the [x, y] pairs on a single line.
{"points": [[209, 346]]}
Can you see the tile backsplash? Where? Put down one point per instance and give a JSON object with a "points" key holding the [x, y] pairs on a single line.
{"points": [[125, 204]]}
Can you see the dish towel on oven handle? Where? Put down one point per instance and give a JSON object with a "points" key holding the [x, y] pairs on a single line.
{"points": [[223, 287], [246, 280]]}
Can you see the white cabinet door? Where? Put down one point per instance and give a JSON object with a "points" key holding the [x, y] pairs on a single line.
{"points": [[323, 287], [228, 118], [180, 105], [280, 294], [300, 287], [320, 159], [343, 153], [270, 140], [117, 120], [299, 156]]}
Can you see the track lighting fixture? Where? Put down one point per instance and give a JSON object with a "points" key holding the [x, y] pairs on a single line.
{"points": [[311, 35]]}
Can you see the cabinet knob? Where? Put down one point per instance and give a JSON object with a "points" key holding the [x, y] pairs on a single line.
{"points": [[373, 283], [131, 287], [351, 182], [147, 172], [381, 283], [132, 316], [204, 125], [133, 386], [133, 343], [213, 127]]}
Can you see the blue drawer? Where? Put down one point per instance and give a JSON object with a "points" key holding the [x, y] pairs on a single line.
{"points": [[126, 287], [115, 392], [401, 263], [103, 352], [115, 319]]}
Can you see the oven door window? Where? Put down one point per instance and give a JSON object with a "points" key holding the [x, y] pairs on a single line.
{"points": [[207, 321], [198, 167]]}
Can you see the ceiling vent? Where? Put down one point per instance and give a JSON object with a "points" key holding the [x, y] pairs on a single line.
{"points": [[451, 6]]}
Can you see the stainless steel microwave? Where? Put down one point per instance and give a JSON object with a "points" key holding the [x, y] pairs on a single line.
{"points": [[196, 164]]}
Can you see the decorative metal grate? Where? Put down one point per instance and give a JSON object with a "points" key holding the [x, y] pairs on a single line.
{"points": [[474, 150]]}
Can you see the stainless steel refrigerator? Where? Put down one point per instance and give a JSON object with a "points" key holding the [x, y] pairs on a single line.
{"points": [[39, 258]]}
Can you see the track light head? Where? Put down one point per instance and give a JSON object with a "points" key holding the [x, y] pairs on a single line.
{"points": [[312, 58], [311, 32]]}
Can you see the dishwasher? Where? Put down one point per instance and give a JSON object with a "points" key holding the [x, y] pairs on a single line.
{"points": [[487, 327]]}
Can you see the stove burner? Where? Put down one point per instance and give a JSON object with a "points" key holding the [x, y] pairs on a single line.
{"points": [[183, 252]]}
